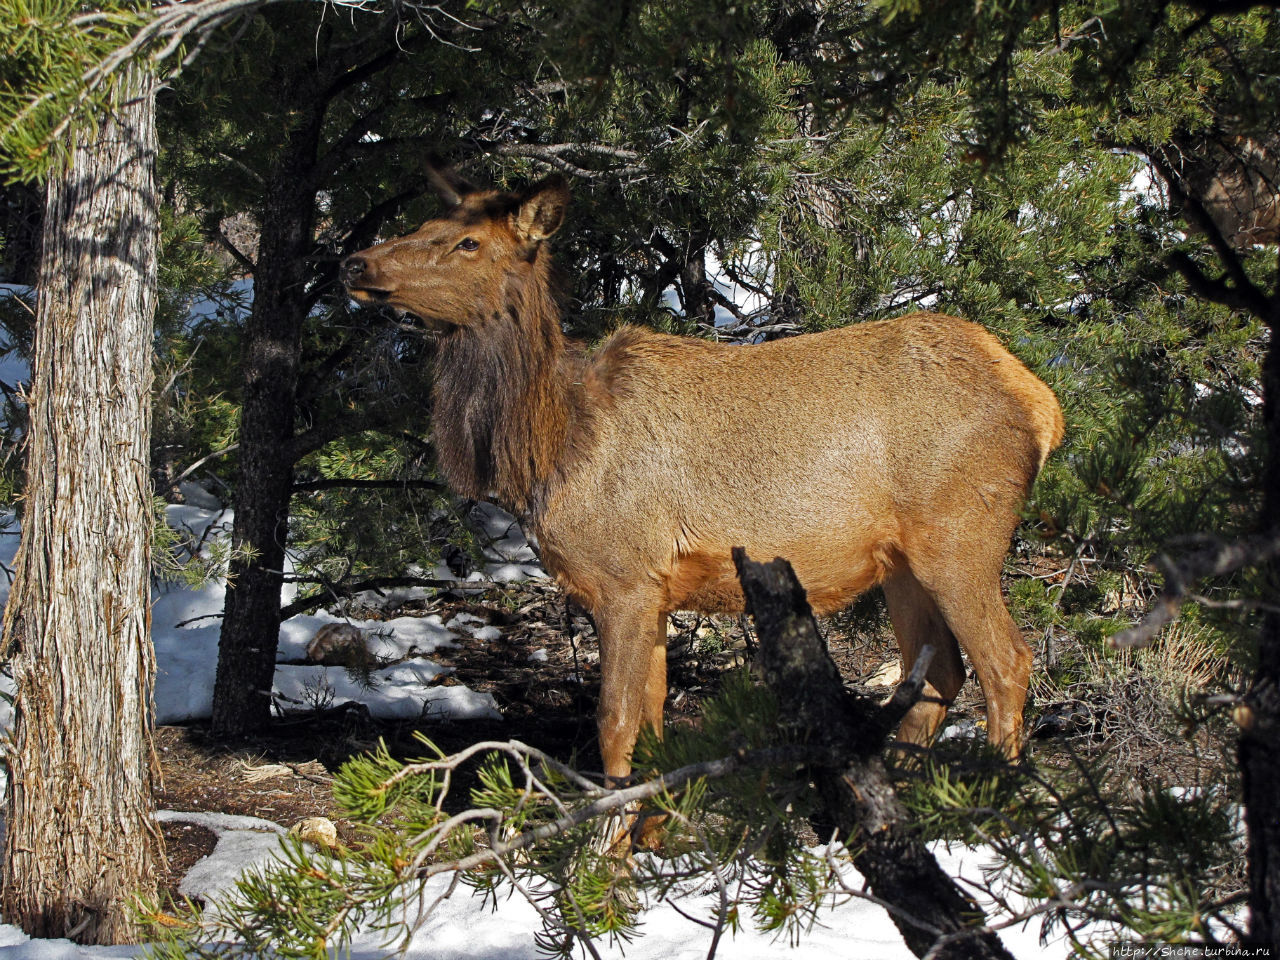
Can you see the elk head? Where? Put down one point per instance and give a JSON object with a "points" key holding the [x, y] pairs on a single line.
{"points": [[459, 269]]}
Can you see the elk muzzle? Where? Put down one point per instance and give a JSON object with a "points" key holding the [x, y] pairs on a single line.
{"points": [[361, 280]]}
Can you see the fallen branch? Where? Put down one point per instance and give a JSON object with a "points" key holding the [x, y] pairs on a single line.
{"points": [[935, 917], [334, 592]]}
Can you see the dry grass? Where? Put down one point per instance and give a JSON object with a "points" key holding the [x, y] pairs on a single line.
{"points": [[1136, 705]]}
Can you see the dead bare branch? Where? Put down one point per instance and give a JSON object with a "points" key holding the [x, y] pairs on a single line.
{"points": [[1214, 558], [556, 154]]}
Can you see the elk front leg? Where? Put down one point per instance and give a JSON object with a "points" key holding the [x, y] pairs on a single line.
{"points": [[633, 680]]}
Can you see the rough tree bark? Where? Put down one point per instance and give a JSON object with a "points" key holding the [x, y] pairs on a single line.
{"points": [[81, 840], [934, 916], [1260, 723]]}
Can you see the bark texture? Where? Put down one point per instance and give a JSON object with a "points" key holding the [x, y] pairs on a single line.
{"points": [[1260, 730], [81, 840], [934, 916]]}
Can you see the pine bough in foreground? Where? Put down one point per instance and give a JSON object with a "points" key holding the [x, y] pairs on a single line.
{"points": [[737, 802]]}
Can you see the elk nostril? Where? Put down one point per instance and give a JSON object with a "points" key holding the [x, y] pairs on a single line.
{"points": [[353, 269]]}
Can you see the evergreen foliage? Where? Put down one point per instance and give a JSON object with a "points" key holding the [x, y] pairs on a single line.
{"points": [[1078, 846], [45, 48]]}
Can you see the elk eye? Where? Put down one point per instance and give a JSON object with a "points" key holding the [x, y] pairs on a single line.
{"points": [[467, 244]]}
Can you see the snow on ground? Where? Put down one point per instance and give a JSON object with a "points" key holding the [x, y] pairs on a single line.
{"points": [[186, 623], [465, 927], [185, 629], [15, 372]]}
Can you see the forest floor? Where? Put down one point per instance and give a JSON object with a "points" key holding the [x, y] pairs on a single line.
{"points": [[543, 670]]}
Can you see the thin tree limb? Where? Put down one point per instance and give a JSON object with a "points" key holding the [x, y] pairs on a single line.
{"points": [[335, 592], [311, 486], [202, 461], [1214, 559]]}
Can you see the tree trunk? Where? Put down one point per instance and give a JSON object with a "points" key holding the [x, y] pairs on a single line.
{"points": [[935, 917], [272, 353], [81, 838], [1260, 774], [272, 356], [1260, 726]]}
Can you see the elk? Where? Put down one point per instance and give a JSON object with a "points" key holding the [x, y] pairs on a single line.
{"points": [[894, 453]]}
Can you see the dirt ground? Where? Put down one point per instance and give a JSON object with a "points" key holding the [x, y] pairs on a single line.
{"points": [[543, 671]]}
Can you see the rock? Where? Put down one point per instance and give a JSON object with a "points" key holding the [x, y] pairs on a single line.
{"points": [[317, 830], [339, 645], [888, 675]]}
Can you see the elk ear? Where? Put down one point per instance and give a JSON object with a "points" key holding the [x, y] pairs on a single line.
{"points": [[541, 210], [447, 183]]}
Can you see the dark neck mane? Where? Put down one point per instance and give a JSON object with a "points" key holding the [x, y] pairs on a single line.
{"points": [[503, 397]]}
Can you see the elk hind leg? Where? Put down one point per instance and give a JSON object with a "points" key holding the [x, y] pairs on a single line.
{"points": [[1001, 659], [917, 621]]}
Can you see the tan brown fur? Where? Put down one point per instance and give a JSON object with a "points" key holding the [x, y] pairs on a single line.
{"points": [[894, 453]]}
